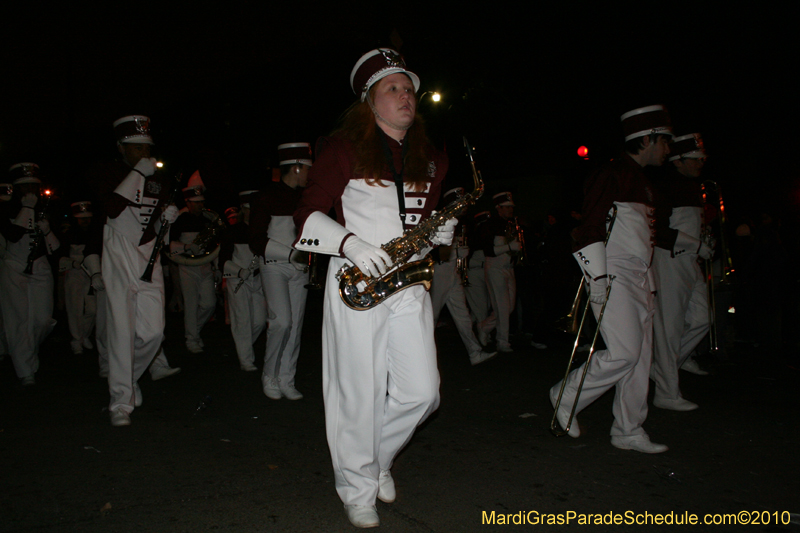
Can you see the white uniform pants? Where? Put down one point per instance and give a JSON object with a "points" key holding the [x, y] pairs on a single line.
{"points": [[81, 308], [285, 290], [681, 318], [248, 313], [447, 289], [627, 329], [135, 320], [27, 304], [199, 298], [477, 292], [503, 293], [101, 332], [379, 381]]}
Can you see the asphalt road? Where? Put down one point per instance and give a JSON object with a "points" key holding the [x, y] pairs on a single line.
{"points": [[209, 452]]}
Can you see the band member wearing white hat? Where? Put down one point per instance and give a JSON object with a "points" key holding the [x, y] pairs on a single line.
{"points": [[447, 289], [380, 378], [136, 210], [681, 316], [81, 306], [627, 324], [26, 280], [283, 270], [246, 303], [499, 271], [196, 279]]}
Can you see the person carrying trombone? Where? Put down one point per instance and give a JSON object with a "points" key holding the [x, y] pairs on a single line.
{"points": [[627, 322], [681, 316]]}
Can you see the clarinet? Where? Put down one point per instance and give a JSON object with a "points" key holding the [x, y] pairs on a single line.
{"points": [[38, 236], [147, 276]]}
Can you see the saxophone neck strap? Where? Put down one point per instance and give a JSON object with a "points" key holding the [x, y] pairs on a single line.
{"points": [[398, 175]]}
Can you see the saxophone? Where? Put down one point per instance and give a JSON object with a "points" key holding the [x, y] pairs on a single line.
{"points": [[403, 274]]}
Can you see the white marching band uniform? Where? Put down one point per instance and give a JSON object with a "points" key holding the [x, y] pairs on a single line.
{"points": [[135, 307], [27, 302], [380, 378], [81, 307], [247, 306]]}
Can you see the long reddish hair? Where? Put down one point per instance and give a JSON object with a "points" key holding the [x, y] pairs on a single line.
{"points": [[358, 126]]}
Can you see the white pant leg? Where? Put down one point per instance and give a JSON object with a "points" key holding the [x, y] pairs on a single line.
{"points": [[627, 331], [80, 307], [101, 332], [197, 286], [477, 293], [27, 304], [135, 319], [248, 315], [502, 291], [366, 354], [284, 286], [681, 319]]}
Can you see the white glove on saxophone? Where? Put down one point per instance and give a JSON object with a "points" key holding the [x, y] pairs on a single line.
{"points": [[705, 251], [371, 260], [29, 200], [443, 236], [597, 289]]}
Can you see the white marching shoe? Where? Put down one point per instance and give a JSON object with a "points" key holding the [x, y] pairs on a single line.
{"points": [[690, 365], [639, 443], [271, 388], [386, 490], [162, 372], [678, 404], [120, 418], [481, 356], [362, 516]]}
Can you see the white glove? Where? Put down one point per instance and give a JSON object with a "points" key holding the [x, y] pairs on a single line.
{"points": [[170, 214], [514, 246], [244, 273], [371, 260], [146, 166], [217, 276], [597, 290], [192, 248], [97, 282], [443, 236], [44, 226], [29, 200], [705, 251], [76, 264]]}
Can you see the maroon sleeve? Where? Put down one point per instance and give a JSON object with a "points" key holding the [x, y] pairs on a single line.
{"points": [[327, 180], [600, 192]]}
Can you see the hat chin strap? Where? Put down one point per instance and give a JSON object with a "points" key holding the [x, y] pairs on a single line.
{"points": [[379, 117]]}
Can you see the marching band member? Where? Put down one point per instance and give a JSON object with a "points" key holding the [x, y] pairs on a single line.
{"points": [[627, 324], [6, 191], [380, 379], [447, 288], [681, 315], [246, 303], [477, 292], [197, 280], [80, 305], [136, 210], [500, 272], [26, 278], [283, 272]]}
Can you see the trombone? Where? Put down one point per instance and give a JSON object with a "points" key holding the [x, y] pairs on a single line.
{"points": [[725, 258], [572, 317]]}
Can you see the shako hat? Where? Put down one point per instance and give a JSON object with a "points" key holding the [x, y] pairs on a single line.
{"points": [[81, 209], [650, 120], [194, 192], [133, 129], [687, 147], [23, 173], [376, 65], [294, 153]]}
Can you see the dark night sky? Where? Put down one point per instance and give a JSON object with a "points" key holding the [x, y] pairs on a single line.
{"points": [[225, 85]]}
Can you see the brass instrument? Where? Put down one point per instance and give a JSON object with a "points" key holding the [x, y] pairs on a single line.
{"points": [[206, 240], [401, 274], [554, 421], [147, 275], [514, 232], [725, 278], [38, 236], [462, 263]]}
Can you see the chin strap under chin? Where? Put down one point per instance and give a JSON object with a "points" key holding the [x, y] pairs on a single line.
{"points": [[377, 115]]}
